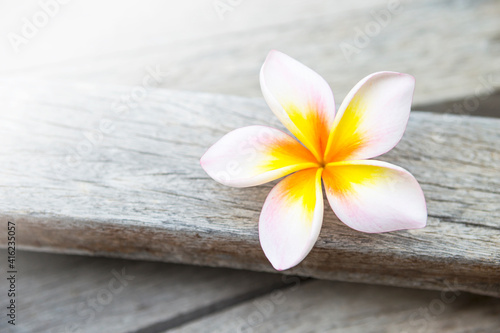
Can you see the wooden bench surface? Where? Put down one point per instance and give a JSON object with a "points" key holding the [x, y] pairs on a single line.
{"points": [[452, 48], [138, 191]]}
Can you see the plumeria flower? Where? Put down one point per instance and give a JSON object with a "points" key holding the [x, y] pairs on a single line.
{"points": [[367, 195]]}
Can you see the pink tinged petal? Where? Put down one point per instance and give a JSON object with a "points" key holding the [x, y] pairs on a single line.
{"points": [[255, 155], [300, 98], [291, 218], [372, 118], [374, 196]]}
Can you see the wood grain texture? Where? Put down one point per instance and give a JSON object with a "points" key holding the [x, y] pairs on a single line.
{"points": [[451, 47], [138, 190], [67, 293], [118, 296], [325, 306]]}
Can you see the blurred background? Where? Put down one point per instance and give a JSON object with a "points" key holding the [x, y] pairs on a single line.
{"points": [[218, 46], [451, 47]]}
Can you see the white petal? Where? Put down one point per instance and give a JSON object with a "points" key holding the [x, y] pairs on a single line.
{"points": [[255, 155], [372, 118], [291, 218], [374, 196], [300, 98]]}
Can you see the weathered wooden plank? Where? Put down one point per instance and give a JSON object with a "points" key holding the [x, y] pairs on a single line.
{"points": [[325, 306], [137, 191], [62, 293], [452, 48]]}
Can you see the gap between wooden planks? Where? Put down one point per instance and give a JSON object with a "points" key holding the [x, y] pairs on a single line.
{"points": [[160, 297], [137, 190]]}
